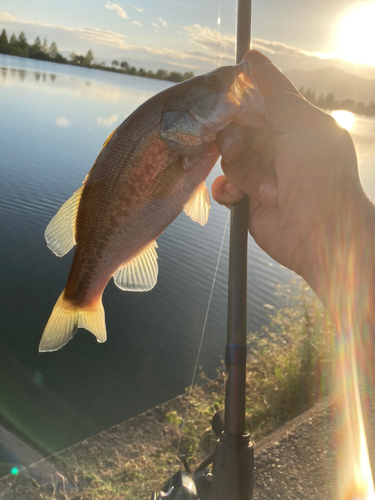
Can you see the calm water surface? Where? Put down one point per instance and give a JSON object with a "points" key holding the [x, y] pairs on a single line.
{"points": [[53, 121]]}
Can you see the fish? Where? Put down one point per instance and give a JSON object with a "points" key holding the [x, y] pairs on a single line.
{"points": [[150, 168]]}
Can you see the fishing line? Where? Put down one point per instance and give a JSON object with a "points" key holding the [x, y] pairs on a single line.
{"points": [[218, 46], [203, 332]]}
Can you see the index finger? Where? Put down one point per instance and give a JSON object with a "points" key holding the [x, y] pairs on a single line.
{"points": [[269, 78]]}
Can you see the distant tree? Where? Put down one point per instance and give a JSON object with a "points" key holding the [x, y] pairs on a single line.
{"points": [[53, 50], [115, 63], [124, 65], [4, 42], [161, 74], [38, 43], [188, 75], [102, 64], [45, 47], [60, 59], [348, 104], [22, 40], [82, 60], [150, 74], [13, 47], [370, 110], [329, 101], [132, 70], [174, 76], [360, 108], [89, 57], [141, 72], [320, 100]]}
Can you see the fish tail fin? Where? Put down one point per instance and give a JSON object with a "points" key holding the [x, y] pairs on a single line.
{"points": [[65, 320]]}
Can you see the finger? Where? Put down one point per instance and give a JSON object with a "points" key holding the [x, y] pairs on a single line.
{"points": [[225, 193], [269, 78], [232, 142], [256, 182]]}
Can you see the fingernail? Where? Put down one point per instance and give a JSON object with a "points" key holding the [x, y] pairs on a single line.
{"points": [[228, 141], [230, 189], [268, 192]]}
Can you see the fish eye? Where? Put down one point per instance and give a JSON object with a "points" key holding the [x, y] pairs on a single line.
{"points": [[214, 82]]}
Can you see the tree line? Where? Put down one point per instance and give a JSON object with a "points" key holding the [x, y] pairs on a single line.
{"points": [[42, 51], [330, 103]]}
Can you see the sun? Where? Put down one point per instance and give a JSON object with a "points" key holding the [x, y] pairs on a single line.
{"points": [[355, 39]]}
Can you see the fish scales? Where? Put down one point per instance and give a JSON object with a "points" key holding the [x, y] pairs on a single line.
{"points": [[151, 168]]}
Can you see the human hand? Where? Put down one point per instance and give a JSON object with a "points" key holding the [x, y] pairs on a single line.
{"points": [[302, 178]]}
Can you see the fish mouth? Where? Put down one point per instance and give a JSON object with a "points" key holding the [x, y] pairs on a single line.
{"points": [[245, 91]]}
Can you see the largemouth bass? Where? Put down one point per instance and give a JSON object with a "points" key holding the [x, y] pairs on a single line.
{"points": [[150, 168]]}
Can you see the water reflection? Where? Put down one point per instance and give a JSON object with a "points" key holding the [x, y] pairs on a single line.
{"points": [[344, 118]]}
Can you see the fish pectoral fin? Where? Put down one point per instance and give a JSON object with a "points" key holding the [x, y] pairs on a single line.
{"points": [[141, 273], [198, 207], [60, 232]]}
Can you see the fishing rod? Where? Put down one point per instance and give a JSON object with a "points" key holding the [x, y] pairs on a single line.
{"points": [[232, 473]]}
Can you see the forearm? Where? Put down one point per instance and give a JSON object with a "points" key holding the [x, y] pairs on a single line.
{"points": [[340, 267]]}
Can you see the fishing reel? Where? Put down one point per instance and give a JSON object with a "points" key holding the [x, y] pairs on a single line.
{"points": [[185, 485], [231, 475]]}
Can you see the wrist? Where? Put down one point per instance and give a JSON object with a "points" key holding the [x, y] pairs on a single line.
{"points": [[339, 256]]}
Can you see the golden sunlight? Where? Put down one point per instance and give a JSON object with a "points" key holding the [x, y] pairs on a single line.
{"points": [[344, 118], [355, 39]]}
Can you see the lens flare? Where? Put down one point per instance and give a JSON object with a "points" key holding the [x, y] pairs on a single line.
{"points": [[355, 480]]}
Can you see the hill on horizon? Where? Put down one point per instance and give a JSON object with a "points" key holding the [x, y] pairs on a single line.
{"points": [[331, 79]]}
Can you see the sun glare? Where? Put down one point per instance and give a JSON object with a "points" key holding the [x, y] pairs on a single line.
{"points": [[355, 40], [344, 118]]}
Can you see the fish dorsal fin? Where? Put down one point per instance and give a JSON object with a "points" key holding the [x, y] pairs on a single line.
{"points": [[106, 142], [198, 207], [141, 273], [60, 232]]}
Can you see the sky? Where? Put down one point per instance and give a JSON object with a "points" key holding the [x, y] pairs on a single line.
{"points": [[198, 35]]}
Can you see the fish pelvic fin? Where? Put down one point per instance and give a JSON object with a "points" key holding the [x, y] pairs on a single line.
{"points": [[65, 320]]}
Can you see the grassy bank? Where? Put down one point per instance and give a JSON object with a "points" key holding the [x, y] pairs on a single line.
{"points": [[288, 370]]}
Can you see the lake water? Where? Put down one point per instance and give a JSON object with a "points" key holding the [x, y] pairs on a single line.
{"points": [[53, 121]]}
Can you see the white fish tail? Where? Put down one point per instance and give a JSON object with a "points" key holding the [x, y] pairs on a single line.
{"points": [[65, 320]]}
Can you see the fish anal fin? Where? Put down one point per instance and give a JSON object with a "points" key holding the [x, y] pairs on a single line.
{"points": [[198, 207], [60, 232], [65, 321], [141, 273]]}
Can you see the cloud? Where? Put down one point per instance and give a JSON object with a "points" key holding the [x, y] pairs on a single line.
{"points": [[136, 22], [139, 9], [107, 122], [62, 122], [155, 25], [162, 22], [91, 35], [283, 49], [4, 16], [211, 40], [116, 7]]}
